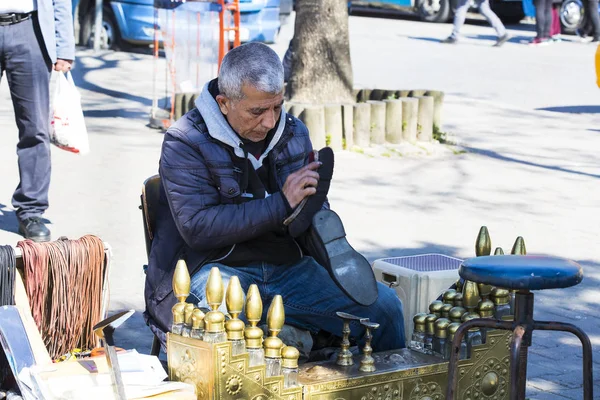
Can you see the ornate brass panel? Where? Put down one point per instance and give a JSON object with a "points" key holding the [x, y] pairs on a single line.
{"points": [[400, 375]]}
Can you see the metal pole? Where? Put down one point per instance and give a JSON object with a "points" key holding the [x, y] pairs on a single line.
{"points": [[97, 25]]}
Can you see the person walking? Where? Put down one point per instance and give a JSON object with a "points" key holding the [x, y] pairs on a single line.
{"points": [[484, 8], [35, 36], [543, 22]]}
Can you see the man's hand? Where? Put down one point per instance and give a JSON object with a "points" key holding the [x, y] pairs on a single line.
{"points": [[63, 65], [301, 184]]}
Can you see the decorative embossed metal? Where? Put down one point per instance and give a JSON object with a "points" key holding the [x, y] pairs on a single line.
{"points": [[400, 375]]}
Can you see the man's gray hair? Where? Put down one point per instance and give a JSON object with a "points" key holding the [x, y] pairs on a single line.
{"points": [[254, 64]]}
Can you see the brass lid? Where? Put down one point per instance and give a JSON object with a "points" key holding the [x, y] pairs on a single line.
{"points": [[253, 305], [441, 326], [181, 281], [234, 299], [446, 310], [275, 316], [429, 323], [483, 244], [449, 296], [468, 317], [419, 320], [214, 322], [498, 251], [235, 329], [178, 310], [486, 309], [458, 300], [290, 357], [187, 312], [436, 308], [452, 329], [456, 313], [273, 345], [500, 296], [484, 290], [197, 319], [214, 289], [253, 335]]}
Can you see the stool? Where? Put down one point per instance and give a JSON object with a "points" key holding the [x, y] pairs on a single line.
{"points": [[523, 274]]}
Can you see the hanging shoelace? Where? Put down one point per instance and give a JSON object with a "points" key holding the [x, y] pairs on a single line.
{"points": [[63, 281], [8, 268]]}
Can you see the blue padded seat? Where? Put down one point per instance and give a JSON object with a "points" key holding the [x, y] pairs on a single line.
{"points": [[522, 272]]}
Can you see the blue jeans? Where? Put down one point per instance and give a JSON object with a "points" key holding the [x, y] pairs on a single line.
{"points": [[311, 299]]}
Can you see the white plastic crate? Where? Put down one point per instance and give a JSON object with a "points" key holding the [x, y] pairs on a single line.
{"points": [[418, 280]]}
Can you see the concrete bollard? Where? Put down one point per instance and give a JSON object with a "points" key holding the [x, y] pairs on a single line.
{"points": [[377, 121], [438, 101], [410, 113], [334, 126], [348, 125], [355, 93], [314, 119], [363, 95], [393, 121], [425, 119], [362, 124], [403, 93]]}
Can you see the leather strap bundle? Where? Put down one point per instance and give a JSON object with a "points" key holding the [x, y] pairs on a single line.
{"points": [[63, 280]]}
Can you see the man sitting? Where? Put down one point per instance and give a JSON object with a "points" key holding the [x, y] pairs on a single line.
{"points": [[232, 171]]}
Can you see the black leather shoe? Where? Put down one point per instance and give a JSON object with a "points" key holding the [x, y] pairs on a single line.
{"points": [[33, 228]]}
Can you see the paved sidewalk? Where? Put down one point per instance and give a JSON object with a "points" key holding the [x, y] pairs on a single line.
{"points": [[531, 168]]}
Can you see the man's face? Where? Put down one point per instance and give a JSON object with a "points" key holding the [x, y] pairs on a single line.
{"points": [[253, 116]]}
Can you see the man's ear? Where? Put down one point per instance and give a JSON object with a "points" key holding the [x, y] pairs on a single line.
{"points": [[224, 103]]}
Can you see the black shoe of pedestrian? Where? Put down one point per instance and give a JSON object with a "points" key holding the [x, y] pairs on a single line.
{"points": [[596, 39], [450, 40], [33, 228], [501, 40]]}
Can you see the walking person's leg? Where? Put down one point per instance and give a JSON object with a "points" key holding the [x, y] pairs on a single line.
{"points": [[548, 19], [542, 21], [593, 18], [459, 20], [494, 21], [28, 71]]}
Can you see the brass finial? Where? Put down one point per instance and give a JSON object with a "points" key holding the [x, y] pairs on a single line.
{"points": [[456, 313], [419, 320], [459, 285], [519, 247], [470, 295], [430, 323], [441, 327], [498, 251], [253, 334], [275, 320], [181, 281], [436, 308], [483, 245], [234, 299], [449, 296], [446, 310], [486, 309], [178, 313], [367, 364], [290, 357], [214, 321], [197, 319], [484, 290], [458, 300]]}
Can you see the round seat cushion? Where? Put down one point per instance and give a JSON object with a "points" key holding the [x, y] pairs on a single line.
{"points": [[522, 272]]}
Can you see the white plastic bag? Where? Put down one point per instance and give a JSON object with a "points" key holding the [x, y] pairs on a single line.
{"points": [[68, 125]]}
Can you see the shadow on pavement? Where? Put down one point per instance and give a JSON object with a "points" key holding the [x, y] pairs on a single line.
{"points": [[573, 109]]}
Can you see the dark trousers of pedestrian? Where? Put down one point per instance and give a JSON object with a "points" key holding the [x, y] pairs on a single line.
{"points": [[592, 18], [484, 8], [543, 18], [24, 59]]}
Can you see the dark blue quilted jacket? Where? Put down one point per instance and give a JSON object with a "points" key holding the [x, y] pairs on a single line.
{"points": [[198, 214]]}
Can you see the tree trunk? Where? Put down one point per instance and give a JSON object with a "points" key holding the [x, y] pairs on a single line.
{"points": [[321, 66]]}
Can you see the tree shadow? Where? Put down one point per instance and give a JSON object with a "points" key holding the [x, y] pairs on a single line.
{"points": [[588, 109]]}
